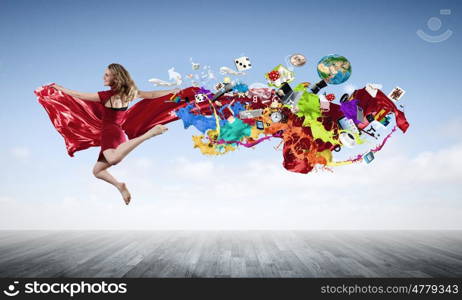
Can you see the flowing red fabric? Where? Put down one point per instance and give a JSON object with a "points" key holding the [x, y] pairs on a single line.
{"points": [[80, 122], [381, 101]]}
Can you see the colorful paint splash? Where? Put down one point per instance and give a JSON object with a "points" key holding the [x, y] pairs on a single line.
{"points": [[311, 126], [313, 129]]}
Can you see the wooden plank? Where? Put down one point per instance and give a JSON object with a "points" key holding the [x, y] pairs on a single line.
{"points": [[254, 253]]}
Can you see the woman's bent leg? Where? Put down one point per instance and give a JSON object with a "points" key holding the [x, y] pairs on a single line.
{"points": [[100, 171], [114, 156]]}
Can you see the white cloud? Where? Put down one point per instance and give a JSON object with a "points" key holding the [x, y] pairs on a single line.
{"points": [[143, 162], [349, 88], [192, 170], [452, 128], [393, 192], [20, 153]]}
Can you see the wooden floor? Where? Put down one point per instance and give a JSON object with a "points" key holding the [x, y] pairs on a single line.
{"points": [[230, 253]]}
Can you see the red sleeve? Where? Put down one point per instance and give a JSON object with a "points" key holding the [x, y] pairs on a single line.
{"points": [[104, 95]]}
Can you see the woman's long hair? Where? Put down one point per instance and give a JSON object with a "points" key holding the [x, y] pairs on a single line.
{"points": [[123, 84]]}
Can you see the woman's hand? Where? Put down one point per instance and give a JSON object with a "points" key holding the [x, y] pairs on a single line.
{"points": [[58, 87]]}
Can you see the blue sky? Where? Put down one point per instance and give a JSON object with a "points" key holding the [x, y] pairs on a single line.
{"points": [[71, 43]]}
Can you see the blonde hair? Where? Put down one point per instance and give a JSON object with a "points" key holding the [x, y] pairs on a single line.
{"points": [[123, 84]]}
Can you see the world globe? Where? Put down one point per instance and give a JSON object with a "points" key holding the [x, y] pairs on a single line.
{"points": [[334, 69]]}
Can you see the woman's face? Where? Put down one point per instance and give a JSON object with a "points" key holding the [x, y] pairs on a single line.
{"points": [[108, 78]]}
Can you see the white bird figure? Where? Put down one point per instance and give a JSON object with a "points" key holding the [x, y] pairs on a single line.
{"points": [[172, 75], [226, 70], [211, 75], [175, 76], [194, 66], [158, 82]]}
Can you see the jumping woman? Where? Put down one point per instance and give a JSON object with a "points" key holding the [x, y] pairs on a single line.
{"points": [[114, 143]]}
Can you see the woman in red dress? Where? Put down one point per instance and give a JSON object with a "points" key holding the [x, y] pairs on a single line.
{"points": [[114, 143]]}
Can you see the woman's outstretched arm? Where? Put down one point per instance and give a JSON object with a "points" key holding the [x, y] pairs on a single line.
{"points": [[156, 94], [94, 97]]}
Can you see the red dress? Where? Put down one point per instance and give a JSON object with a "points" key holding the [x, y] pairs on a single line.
{"points": [[112, 134], [84, 124]]}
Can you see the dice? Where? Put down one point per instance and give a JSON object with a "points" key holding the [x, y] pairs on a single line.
{"points": [[199, 98], [242, 63]]}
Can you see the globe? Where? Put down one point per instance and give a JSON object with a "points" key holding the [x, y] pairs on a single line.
{"points": [[334, 69]]}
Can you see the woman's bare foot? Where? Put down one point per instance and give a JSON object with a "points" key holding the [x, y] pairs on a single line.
{"points": [[125, 193], [156, 130]]}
